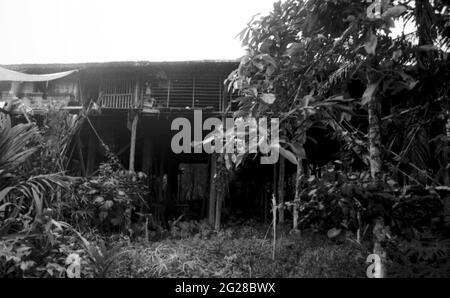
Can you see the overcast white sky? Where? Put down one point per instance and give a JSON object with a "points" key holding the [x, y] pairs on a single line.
{"points": [[60, 31]]}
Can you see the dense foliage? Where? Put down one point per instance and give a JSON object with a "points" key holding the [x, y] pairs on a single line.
{"points": [[339, 65], [347, 66], [108, 200], [41, 208]]}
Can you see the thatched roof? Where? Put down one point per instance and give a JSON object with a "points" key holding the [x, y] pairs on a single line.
{"points": [[45, 68]]}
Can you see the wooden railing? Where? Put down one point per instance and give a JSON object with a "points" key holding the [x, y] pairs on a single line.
{"points": [[187, 91], [180, 91], [117, 93], [117, 101]]}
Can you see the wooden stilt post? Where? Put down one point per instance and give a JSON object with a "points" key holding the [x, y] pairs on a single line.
{"points": [[80, 156], [147, 156], [135, 115], [212, 191], [171, 181], [281, 190], [133, 141], [92, 152], [161, 188]]}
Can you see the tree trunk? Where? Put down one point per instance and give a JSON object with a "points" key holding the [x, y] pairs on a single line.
{"points": [[298, 183], [220, 182], [426, 32], [274, 225], [375, 171], [374, 139], [212, 191], [281, 190], [219, 201], [446, 176], [425, 18], [379, 235]]}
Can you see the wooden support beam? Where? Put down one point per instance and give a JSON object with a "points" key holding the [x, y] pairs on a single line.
{"points": [[147, 156], [92, 153], [168, 93], [162, 186], [80, 155], [172, 182], [193, 91], [212, 190], [133, 141], [135, 115]]}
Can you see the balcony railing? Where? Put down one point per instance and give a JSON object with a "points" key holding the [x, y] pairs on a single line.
{"points": [[117, 101], [180, 91], [191, 91], [117, 94]]}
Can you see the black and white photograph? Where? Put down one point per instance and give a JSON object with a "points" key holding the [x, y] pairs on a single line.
{"points": [[222, 147]]}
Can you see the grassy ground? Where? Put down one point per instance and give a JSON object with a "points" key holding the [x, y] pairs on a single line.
{"points": [[240, 251]]}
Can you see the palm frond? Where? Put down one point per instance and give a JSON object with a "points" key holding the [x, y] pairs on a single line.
{"points": [[339, 75], [13, 145]]}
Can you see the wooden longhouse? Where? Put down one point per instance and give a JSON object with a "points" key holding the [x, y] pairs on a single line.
{"points": [[135, 104]]}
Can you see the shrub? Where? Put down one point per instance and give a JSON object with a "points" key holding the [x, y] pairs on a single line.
{"points": [[350, 202], [106, 201]]}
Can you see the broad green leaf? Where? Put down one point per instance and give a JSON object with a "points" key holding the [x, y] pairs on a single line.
{"points": [[4, 192], [369, 93], [3, 207], [37, 201], [396, 55], [428, 47], [294, 48], [297, 149], [394, 12], [288, 155], [239, 159], [268, 98], [371, 43], [332, 233], [99, 200]]}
